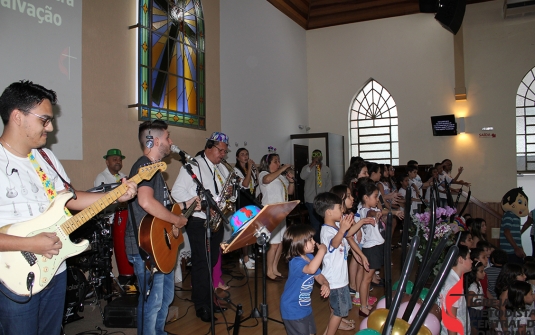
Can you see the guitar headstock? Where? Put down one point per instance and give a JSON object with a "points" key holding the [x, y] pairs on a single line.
{"points": [[146, 172]]}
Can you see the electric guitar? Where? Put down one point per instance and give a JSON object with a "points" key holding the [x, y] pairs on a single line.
{"points": [[26, 273], [157, 239]]}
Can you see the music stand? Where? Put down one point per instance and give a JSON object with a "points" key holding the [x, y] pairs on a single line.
{"points": [[259, 230]]}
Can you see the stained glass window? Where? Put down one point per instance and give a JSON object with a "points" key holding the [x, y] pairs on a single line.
{"points": [[373, 127], [171, 76], [525, 124]]}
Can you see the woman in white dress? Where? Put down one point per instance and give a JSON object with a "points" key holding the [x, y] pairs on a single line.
{"points": [[276, 184]]}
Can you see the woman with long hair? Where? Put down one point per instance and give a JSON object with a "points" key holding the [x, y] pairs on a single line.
{"points": [[354, 172], [276, 184], [245, 168], [478, 230]]}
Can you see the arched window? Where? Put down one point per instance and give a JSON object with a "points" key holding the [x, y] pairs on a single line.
{"points": [[373, 122], [171, 84], [525, 124]]}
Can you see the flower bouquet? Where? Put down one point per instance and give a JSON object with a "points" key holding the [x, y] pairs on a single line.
{"points": [[446, 224]]}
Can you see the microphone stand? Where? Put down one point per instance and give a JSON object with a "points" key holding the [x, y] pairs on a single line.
{"points": [[211, 204]]}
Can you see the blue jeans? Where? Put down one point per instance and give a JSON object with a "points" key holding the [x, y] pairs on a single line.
{"points": [[315, 220], [43, 314], [152, 311]]}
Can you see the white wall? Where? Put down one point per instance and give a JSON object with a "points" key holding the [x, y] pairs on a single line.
{"points": [[263, 77], [412, 57]]}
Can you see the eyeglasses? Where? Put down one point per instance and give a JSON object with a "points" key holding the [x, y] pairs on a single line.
{"points": [[46, 119], [221, 150]]}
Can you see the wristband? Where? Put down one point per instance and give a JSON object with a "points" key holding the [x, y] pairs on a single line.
{"points": [[184, 204]]}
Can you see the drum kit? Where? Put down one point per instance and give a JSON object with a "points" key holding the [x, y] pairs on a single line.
{"points": [[89, 274]]}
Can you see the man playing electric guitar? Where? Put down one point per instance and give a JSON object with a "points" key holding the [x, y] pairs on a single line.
{"points": [[32, 182], [153, 198]]}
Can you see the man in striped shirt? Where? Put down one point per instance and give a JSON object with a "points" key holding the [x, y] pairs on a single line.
{"points": [[515, 206]]}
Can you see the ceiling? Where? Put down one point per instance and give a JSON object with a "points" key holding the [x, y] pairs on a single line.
{"points": [[313, 14]]}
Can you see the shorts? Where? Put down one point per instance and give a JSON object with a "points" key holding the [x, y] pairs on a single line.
{"points": [[340, 301], [306, 325], [375, 256]]}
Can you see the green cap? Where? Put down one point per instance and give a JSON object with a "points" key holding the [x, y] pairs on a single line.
{"points": [[114, 152]]}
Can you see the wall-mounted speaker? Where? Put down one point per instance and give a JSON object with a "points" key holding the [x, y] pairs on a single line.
{"points": [[450, 14]]}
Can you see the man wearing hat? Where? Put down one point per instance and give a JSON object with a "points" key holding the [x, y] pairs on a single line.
{"points": [[114, 162], [212, 174]]}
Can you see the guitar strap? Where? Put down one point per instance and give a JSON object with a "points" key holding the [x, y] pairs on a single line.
{"points": [[145, 256], [48, 186], [65, 183]]}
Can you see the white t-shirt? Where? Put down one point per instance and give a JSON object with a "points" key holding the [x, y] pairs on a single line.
{"points": [[25, 197], [274, 192], [460, 304], [335, 260], [371, 235], [251, 182], [414, 204], [441, 178], [477, 290], [105, 177]]}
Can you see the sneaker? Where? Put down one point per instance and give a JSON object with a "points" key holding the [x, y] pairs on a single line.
{"points": [[355, 301], [249, 265]]}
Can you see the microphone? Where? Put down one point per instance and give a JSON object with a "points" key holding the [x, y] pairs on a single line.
{"points": [[187, 157]]}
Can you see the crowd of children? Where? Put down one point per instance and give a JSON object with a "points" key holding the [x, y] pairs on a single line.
{"points": [[353, 230], [498, 295]]}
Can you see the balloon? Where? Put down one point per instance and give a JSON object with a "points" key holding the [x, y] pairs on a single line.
{"points": [[368, 332], [364, 324], [424, 331], [400, 327], [403, 307], [377, 318], [381, 303], [432, 323], [408, 289], [410, 286], [424, 292]]}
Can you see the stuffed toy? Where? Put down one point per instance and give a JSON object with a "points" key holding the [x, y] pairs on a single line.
{"points": [[515, 206]]}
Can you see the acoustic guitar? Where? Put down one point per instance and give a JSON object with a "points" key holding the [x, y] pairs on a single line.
{"points": [[157, 239], [26, 273]]}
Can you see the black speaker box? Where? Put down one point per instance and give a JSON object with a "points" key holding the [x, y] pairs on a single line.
{"points": [[450, 14], [428, 6], [121, 312]]}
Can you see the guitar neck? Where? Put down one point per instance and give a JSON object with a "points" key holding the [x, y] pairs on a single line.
{"points": [[107, 199], [190, 209]]}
